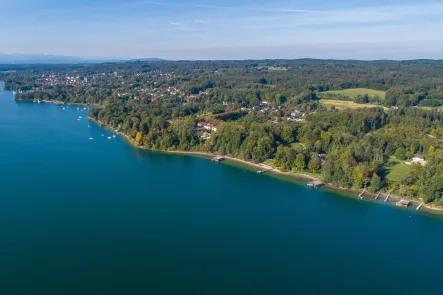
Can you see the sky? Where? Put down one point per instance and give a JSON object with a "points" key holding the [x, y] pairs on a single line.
{"points": [[224, 29]]}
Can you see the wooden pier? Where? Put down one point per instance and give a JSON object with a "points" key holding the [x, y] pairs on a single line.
{"points": [[387, 198], [419, 206], [361, 194], [378, 195], [316, 184]]}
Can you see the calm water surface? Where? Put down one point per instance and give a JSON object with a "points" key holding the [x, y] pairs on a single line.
{"points": [[82, 216]]}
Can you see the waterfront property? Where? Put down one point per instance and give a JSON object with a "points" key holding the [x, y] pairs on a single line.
{"points": [[403, 203], [218, 159], [316, 184]]}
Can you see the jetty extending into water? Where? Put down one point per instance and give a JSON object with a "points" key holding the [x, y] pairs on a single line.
{"points": [[361, 194], [419, 206], [387, 198], [378, 195]]}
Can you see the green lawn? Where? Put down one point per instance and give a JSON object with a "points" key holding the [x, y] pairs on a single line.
{"points": [[396, 169], [273, 68], [439, 109], [354, 92], [298, 146], [343, 104]]}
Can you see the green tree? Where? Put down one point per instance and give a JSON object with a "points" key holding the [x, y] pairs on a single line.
{"points": [[314, 165], [300, 163]]}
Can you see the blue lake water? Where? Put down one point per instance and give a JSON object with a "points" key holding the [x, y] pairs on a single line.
{"points": [[82, 216]]}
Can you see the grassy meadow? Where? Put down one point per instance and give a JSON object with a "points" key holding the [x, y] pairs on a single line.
{"points": [[396, 169], [354, 92]]}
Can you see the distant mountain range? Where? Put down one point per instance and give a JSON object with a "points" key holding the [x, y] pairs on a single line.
{"points": [[59, 59]]}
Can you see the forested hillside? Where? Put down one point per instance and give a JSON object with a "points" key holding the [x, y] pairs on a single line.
{"points": [[270, 111]]}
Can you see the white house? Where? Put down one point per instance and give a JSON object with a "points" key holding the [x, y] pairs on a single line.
{"points": [[207, 126], [418, 159]]}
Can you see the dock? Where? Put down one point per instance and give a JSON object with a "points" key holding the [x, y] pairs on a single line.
{"points": [[218, 159], [378, 195], [403, 203], [361, 194], [387, 198], [316, 184], [419, 206]]}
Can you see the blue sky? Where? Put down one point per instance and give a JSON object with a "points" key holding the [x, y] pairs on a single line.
{"points": [[216, 29]]}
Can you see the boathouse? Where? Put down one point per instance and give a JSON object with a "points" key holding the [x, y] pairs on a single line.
{"points": [[316, 184], [403, 203]]}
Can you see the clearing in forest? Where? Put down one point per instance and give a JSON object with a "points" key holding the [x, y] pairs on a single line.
{"points": [[396, 169], [354, 92]]}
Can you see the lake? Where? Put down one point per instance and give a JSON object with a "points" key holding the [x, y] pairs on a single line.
{"points": [[81, 216]]}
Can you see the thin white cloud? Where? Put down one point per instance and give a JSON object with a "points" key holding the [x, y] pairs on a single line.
{"points": [[156, 2], [238, 8], [177, 24]]}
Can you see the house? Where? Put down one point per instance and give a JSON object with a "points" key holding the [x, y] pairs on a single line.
{"points": [[419, 159], [207, 126], [297, 113], [205, 135], [295, 119]]}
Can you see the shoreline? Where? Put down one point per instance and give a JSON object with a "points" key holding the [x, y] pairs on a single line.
{"points": [[208, 155], [294, 176], [352, 192]]}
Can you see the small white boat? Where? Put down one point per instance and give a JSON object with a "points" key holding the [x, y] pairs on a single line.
{"points": [[113, 135], [78, 109], [109, 137], [38, 101], [80, 117], [14, 93], [90, 138], [103, 135]]}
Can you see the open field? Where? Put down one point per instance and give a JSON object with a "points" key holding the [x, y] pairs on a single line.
{"points": [[438, 109], [273, 68], [396, 169], [343, 104], [354, 92]]}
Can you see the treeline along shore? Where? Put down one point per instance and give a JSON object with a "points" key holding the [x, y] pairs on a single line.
{"points": [[373, 126]]}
